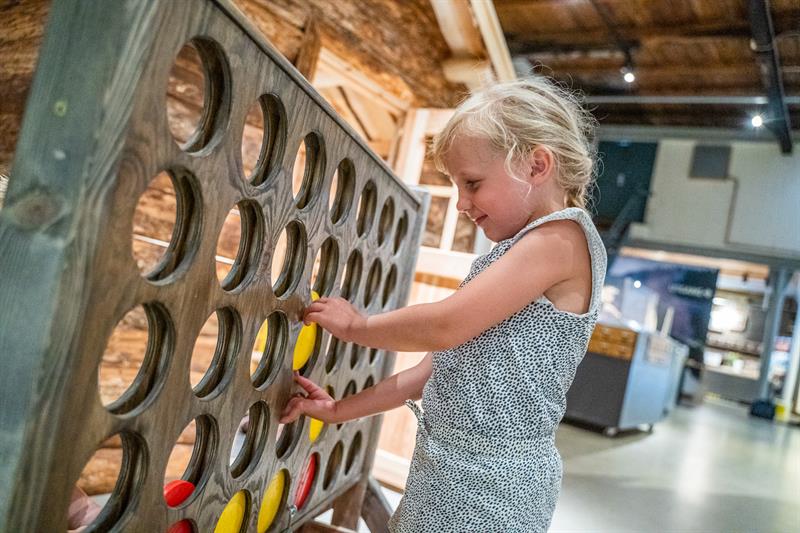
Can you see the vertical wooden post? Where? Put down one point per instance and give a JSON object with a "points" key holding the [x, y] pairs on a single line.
{"points": [[308, 55]]}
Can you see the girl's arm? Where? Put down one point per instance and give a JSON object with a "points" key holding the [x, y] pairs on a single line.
{"points": [[554, 252], [387, 394]]}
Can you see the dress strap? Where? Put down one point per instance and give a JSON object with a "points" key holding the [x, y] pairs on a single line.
{"points": [[415, 409], [568, 213], [597, 251]]}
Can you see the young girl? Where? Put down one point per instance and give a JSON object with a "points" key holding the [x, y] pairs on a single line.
{"points": [[505, 346]]}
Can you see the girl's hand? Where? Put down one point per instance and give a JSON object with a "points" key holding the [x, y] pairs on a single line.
{"points": [[82, 511], [336, 315], [317, 404]]}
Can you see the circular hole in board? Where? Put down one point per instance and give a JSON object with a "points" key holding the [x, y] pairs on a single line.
{"points": [[263, 139], [165, 225], [124, 455], [239, 245], [197, 100], [214, 351], [340, 199], [136, 357]]}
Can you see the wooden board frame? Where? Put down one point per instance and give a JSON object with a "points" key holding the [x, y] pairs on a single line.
{"points": [[94, 133]]}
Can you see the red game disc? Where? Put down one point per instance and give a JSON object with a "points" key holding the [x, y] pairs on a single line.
{"points": [[184, 526], [304, 485], [176, 492]]}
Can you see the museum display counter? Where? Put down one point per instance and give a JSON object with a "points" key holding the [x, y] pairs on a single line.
{"points": [[627, 379]]}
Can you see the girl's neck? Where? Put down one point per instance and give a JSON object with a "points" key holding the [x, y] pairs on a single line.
{"points": [[547, 208]]}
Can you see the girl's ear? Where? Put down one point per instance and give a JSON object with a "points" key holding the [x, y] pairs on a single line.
{"points": [[542, 163]]}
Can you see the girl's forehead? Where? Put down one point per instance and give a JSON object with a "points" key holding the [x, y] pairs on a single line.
{"points": [[467, 153]]}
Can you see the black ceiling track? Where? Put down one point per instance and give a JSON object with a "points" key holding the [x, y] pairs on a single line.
{"points": [[769, 64]]}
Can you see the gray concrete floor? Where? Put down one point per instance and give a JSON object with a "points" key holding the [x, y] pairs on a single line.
{"points": [[710, 469]]}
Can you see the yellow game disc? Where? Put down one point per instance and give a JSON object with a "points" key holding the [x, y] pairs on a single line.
{"points": [[271, 501], [261, 338], [232, 517], [314, 429], [305, 342]]}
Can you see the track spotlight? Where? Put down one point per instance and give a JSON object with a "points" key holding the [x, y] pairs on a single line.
{"points": [[629, 76]]}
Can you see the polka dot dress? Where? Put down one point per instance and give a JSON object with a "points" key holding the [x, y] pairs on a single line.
{"points": [[485, 457]]}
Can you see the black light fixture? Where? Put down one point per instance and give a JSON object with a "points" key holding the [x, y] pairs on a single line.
{"points": [[624, 45], [627, 74], [627, 71]]}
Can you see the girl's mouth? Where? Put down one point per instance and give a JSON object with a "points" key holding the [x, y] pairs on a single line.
{"points": [[479, 220]]}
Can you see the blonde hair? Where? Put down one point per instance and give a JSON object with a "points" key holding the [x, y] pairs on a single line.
{"points": [[519, 116]]}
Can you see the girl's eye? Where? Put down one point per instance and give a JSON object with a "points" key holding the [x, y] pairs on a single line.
{"points": [[472, 185]]}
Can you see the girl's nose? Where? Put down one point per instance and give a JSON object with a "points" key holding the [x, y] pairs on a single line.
{"points": [[463, 203]]}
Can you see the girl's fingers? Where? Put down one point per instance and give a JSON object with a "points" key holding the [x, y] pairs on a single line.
{"points": [[309, 386], [292, 411], [290, 405], [315, 392], [316, 306], [310, 318], [309, 312]]}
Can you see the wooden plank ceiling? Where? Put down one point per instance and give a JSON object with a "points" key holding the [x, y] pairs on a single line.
{"points": [[684, 48]]}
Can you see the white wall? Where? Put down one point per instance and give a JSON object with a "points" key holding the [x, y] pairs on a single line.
{"points": [[765, 211]]}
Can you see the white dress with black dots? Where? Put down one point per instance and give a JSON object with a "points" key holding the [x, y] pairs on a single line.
{"points": [[485, 457]]}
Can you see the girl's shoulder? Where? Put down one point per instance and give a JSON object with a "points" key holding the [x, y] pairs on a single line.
{"points": [[570, 228], [571, 219]]}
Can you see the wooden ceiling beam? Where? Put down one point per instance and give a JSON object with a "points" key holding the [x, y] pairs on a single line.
{"points": [[705, 71], [593, 38], [493, 38], [673, 119], [467, 64], [458, 27], [592, 54]]}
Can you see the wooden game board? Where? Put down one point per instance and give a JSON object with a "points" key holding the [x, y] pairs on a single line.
{"points": [[94, 137]]}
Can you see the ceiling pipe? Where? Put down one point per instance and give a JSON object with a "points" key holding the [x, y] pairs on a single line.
{"points": [[686, 100], [768, 61]]}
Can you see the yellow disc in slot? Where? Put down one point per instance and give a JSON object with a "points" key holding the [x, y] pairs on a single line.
{"points": [[305, 342], [232, 517], [261, 338], [314, 429], [271, 502]]}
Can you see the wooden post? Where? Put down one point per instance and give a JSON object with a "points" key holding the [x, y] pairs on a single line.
{"points": [[375, 510], [308, 55]]}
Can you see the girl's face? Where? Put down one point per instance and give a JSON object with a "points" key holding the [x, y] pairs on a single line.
{"points": [[497, 202]]}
